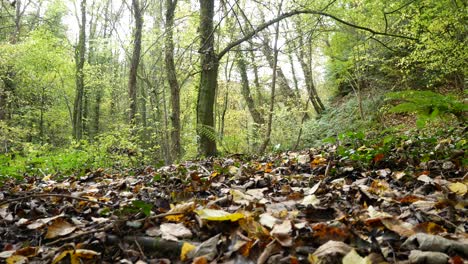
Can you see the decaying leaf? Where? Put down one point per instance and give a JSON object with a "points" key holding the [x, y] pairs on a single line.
{"points": [[310, 200], [208, 249], [171, 231], [330, 252], [426, 242], [421, 257], [353, 258], [282, 233], [268, 220]]}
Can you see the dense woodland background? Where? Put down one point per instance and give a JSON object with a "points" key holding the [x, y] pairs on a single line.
{"points": [[100, 83]]}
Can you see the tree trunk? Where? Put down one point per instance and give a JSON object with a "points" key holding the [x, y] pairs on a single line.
{"points": [[273, 89], [308, 76], [255, 70], [79, 75], [281, 78], [242, 67], [172, 80], [208, 81], [132, 78]]}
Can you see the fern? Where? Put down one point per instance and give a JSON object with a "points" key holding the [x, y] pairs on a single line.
{"points": [[209, 132], [427, 105]]}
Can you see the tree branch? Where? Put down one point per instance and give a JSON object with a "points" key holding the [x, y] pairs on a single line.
{"points": [[255, 31]]}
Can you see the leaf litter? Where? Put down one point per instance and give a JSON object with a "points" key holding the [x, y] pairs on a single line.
{"points": [[296, 207]]}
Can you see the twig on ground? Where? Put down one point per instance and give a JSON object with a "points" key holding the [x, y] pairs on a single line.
{"points": [[39, 195]]}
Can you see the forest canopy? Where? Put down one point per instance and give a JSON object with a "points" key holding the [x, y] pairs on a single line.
{"points": [[88, 82]]}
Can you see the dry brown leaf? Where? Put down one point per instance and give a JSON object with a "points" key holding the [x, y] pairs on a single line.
{"points": [[282, 233], [59, 227], [398, 226]]}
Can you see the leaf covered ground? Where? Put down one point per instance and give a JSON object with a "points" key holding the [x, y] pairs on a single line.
{"points": [[313, 206]]}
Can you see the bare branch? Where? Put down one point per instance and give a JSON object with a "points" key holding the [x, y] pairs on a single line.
{"points": [[298, 12]]}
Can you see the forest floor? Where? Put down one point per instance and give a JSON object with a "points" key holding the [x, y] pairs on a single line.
{"points": [[311, 206]]}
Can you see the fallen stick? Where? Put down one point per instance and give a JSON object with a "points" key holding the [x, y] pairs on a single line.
{"points": [[151, 245], [39, 195]]}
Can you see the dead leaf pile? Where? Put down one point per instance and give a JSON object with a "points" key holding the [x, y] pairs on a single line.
{"points": [[296, 207]]}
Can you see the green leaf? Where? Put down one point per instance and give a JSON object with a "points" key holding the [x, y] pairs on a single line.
{"points": [[144, 207]]}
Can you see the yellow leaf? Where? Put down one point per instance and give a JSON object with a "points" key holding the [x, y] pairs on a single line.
{"points": [[76, 256], [218, 215], [17, 259], [186, 248], [458, 188]]}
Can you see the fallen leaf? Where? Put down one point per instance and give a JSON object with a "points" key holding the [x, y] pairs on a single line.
{"points": [[183, 209], [171, 231], [76, 256], [42, 222], [17, 259], [218, 215], [426, 242], [418, 256], [333, 251], [268, 220], [310, 200], [186, 248], [398, 226], [282, 233], [324, 233], [59, 227], [458, 188], [7, 253], [429, 228], [27, 251], [353, 258], [239, 197], [207, 249]]}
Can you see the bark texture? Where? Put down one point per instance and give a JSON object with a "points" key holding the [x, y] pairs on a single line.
{"points": [[172, 80], [132, 78], [79, 76], [208, 81]]}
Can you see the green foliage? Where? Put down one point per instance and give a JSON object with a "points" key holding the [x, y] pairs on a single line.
{"points": [[342, 118], [117, 149], [427, 105], [144, 207]]}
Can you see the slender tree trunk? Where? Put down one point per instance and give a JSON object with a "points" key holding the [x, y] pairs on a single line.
{"points": [[79, 76], [281, 78], [253, 61], [132, 78], [172, 79], [208, 81], [97, 112], [242, 67], [293, 71], [166, 144], [267, 139], [308, 76]]}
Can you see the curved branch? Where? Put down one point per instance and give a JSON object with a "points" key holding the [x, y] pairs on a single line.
{"points": [[252, 33]]}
